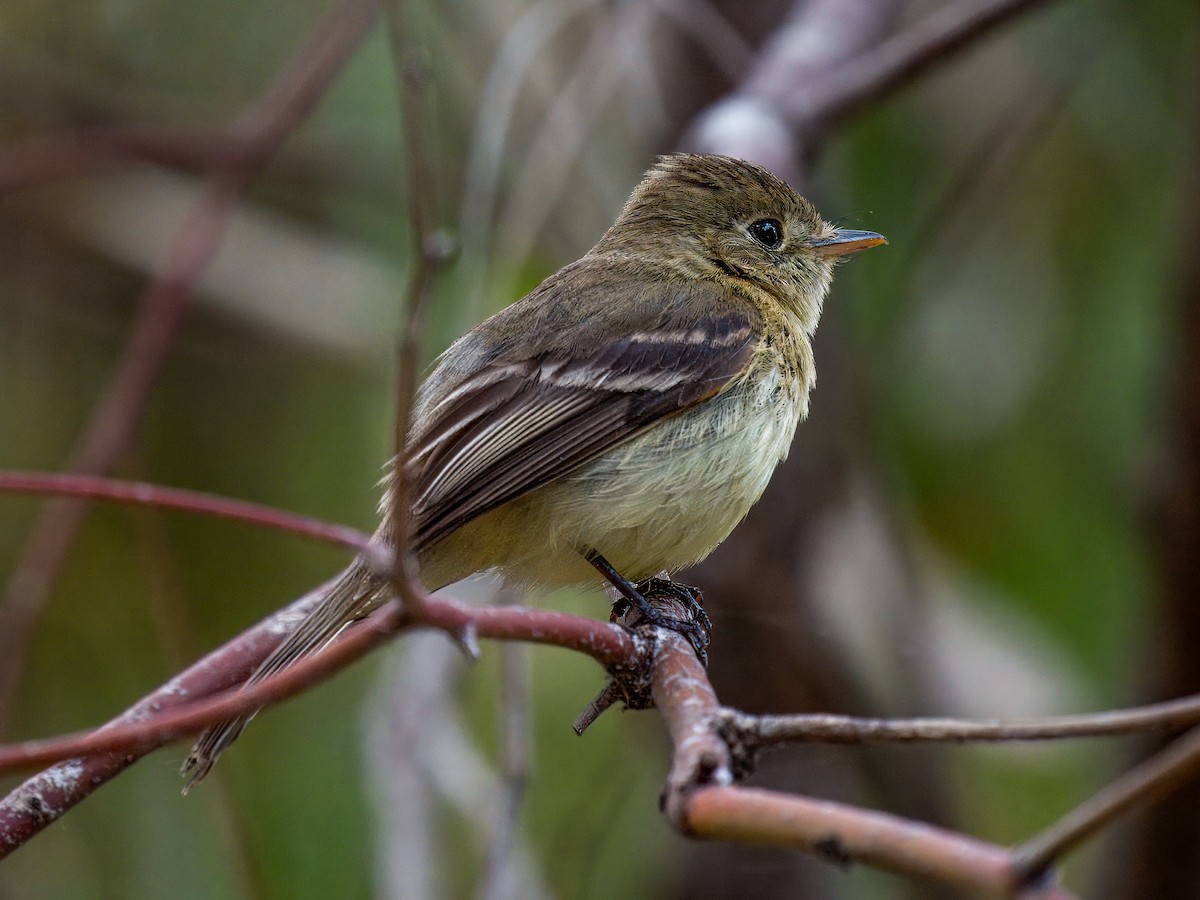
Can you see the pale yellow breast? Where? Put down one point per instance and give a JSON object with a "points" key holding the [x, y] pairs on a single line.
{"points": [[660, 501]]}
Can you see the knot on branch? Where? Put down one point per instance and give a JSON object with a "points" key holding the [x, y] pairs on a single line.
{"points": [[631, 682], [628, 683], [743, 748]]}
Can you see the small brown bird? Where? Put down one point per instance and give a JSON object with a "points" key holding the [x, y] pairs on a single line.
{"points": [[624, 415]]}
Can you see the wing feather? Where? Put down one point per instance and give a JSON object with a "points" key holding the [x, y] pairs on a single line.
{"points": [[516, 425]]}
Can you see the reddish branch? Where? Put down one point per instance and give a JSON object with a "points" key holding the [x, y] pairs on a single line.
{"points": [[87, 151], [713, 743], [45, 797], [258, 134], [702, 802], [606, 643], [141, 493], [98, 756]]}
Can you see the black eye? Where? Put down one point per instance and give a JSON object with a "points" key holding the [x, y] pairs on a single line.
{"points": [[768, 232]]}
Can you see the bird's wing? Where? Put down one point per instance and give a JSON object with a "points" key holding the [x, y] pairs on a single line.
{"points": [[518, 424]]}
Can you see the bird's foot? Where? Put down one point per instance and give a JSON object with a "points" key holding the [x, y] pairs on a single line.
{"points": [[656, 593], [690, 597], [650, 597]]}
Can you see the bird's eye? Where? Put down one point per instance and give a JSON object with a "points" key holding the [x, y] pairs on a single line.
{"points": [[768, 232]]}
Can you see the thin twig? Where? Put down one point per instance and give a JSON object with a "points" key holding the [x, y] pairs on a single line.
{"points": [[114, 421], [139, 738], [45, 797], [1151, 780], [431, 251], [141, 493], [761, 731]]}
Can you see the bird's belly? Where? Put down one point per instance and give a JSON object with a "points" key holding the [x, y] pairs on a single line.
{"points": [[668, 497]]}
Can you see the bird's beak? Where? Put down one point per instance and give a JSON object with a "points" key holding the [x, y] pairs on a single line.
{"points": [[846, 241]]}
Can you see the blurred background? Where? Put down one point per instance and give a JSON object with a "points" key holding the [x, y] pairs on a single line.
{"points": [[992, 510]]}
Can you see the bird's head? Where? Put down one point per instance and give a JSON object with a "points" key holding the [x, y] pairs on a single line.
{"points": [[725, 217]]}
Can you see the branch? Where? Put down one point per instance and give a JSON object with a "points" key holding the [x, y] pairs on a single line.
{"points": [[754, 732], [901, 60], [142, 737], [132, 735], [829, 62], [700, 801], [86, 151], [141, 493], [432, 250], [45, 797], [1152, 780], [844, 834]]}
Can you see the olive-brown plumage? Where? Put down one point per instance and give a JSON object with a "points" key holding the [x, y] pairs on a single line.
{"points": [[633, 405]]}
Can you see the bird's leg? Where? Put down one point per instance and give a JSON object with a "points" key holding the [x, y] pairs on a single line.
{"points": [[695, 629]]}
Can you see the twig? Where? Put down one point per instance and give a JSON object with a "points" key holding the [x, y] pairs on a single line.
{"points": [[141, 493], [828, 64], [115, 418], [1153, 779], [431, 251], [901, 60], [141, 737], [46, 796], [761, 731], [759, 120], [87, 150]]}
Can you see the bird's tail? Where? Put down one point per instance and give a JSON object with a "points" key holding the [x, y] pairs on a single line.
{"points": [[354, 594]]}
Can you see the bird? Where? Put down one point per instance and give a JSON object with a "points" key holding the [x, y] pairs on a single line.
{"points": [[623, 416]]}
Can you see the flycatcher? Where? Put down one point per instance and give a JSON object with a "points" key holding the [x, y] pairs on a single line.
{"points": [[623, 416]]}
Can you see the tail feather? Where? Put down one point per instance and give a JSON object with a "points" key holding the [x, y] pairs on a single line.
{"points": [[355, 593]]}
